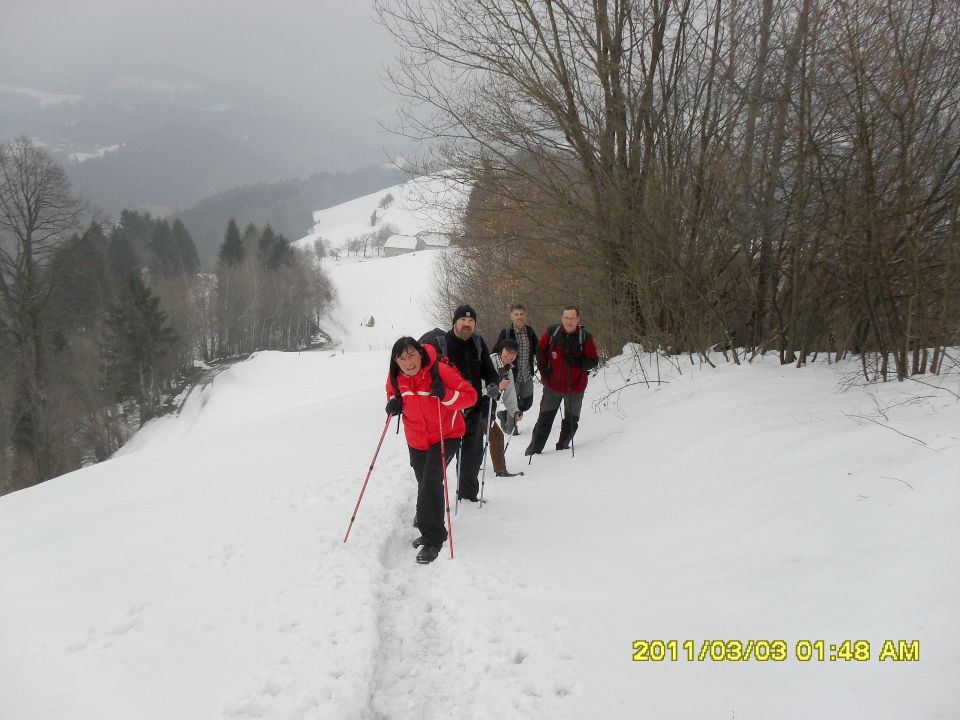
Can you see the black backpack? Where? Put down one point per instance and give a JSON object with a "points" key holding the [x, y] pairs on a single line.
{"points": [[438, 338], [556, 331]]}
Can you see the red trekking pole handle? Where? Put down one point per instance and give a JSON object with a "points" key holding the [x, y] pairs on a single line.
{"points": [[372, 463]]}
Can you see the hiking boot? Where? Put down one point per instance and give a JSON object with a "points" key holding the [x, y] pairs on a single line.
{"points": [[427, 554], [563, 446], [506, 473], [531, 451], [418, 542]]}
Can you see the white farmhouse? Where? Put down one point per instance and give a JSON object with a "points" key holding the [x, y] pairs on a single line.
{"points": [[400, 244]]}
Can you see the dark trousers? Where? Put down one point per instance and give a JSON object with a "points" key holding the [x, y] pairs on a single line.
{"points": [[525, 395], [471, 453], [549, 404], [430, 505]]}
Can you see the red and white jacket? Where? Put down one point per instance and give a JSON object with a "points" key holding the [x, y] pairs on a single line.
{"points": [[421, 421], [555, 347]]}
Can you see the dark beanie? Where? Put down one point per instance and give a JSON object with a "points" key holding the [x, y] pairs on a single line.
{"points": [[510, 344], [464, 311]]}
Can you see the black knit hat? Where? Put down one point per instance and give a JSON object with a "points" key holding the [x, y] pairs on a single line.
{"points": [[464, 311]]}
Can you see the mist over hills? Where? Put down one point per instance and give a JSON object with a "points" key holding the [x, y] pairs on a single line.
{"points": [[199, 152], [287, 206], [145, 143], [169, 168]]}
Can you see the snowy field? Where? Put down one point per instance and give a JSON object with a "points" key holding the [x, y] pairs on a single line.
{"points": [[202, 573], [404, 282], [424, 204]]}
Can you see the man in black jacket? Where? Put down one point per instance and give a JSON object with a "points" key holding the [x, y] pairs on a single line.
{"points": [[468, 352], [526, 340]]}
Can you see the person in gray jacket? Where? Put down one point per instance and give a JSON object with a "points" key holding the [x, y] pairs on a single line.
{"points": [[526, 339], [510, 412]]}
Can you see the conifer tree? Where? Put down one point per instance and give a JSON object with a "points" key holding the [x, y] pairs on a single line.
{"points": [[137, 229], [167, 261], [184, 249], [140, 337], [81, 284], [231, 252], [265, 245], [122, 256], [281, 254]]}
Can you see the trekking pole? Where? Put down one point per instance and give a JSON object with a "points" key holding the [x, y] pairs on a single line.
{"points": [[372, 463], [505, 447], [486, 444], [457, 508], [446, 494], [573, 447]]}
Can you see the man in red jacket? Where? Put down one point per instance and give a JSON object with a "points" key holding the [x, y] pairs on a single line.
{"points": [[430, 394], [565, 354]]}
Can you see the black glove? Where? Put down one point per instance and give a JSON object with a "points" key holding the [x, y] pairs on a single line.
{"points": [[545, 370], [438, 389], [394, 405], [493, 391]]}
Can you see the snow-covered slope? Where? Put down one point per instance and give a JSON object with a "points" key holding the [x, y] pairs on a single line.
{"points": [[203, 574], [396, 292], [424, 204]]}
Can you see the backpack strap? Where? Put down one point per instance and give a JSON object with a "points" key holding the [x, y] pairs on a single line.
{"points": [[580, 336], [551, 343]]}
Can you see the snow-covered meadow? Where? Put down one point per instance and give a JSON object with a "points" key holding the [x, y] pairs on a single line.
{"points": [[423, 204], [201, 573]]}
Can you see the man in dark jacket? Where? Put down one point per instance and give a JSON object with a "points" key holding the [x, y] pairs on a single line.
{"points": [[526, 339], [565, 354], [468, 352]]}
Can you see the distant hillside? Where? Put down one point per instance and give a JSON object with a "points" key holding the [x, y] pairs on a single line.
{"points": [[287, 206], [168, 168], [219, 132], [426, 204]]}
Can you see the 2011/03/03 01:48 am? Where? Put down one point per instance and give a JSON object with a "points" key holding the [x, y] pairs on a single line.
{"points": [[773, 651]]}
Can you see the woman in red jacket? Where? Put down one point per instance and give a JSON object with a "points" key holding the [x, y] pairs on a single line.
{"points": [[430, 394]]}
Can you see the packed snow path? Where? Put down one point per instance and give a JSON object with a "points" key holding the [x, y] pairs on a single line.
{"points": [[202, 573]]}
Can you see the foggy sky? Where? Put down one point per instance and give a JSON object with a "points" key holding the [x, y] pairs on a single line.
{"points": [[320, 53]]}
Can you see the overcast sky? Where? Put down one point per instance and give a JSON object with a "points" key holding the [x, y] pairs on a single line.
{"points": [[312, 51]]}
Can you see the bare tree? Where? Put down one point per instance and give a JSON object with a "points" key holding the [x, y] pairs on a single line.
{"points": [[756, 174], [569, 103], [383, 234], [37, 213]]}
